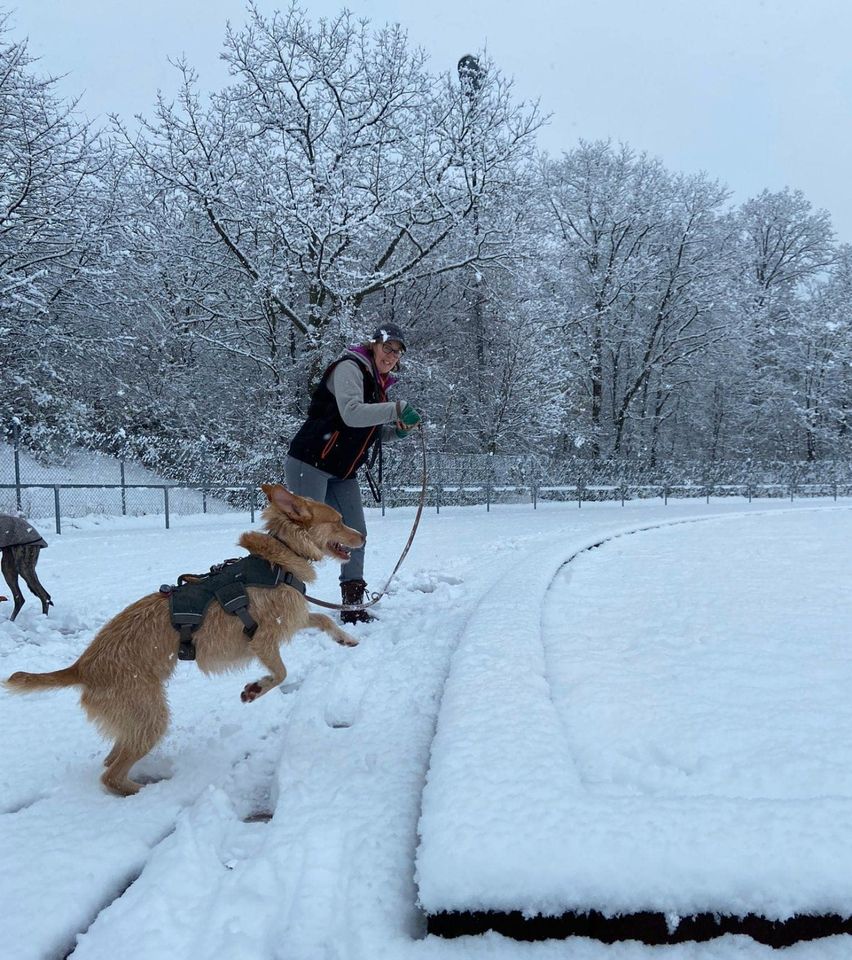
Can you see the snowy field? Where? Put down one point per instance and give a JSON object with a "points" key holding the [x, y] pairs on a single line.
{"points": [[553, 724]]}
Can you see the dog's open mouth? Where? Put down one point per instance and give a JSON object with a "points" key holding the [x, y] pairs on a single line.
{"points": [[338, 550]]}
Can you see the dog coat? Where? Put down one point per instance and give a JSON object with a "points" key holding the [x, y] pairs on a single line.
{"points": [[15, 531], [227, 583]]}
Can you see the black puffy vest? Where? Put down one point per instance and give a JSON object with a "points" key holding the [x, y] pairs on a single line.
{"points": [[324, 441]]}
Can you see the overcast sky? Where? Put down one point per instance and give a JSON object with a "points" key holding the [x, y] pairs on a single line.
{"points": [[758, 93]]}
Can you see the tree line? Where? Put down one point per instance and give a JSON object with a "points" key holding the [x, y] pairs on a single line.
{"points": [[172, 290]]}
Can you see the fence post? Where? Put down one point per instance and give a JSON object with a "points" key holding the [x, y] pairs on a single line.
{"points": [[203, 500], [792, 488], [123, 490], [251, 501], [437, 498], [16, 443], [835, 491], [579, 494], [488, 497], [707, 493], [665, 494], [166, 504], [621, 487], [748, 491], [534, 493], [56, 507]]}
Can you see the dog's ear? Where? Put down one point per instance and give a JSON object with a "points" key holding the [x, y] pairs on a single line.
{"points": [[268, 489], [288, 503]]}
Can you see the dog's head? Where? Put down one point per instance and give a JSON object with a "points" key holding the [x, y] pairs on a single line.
{"points": [[313, 529]]}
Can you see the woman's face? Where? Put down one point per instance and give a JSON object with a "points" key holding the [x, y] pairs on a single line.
{"points": [[386, 355]]}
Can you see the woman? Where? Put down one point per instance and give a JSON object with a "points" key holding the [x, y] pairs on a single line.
{"points": [[349, 413]]}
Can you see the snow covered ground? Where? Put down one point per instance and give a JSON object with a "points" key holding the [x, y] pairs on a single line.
{"points": [[662, 724], [699, 666]]}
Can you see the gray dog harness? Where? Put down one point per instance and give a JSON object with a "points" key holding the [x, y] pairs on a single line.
{"points": [[227, 583]]}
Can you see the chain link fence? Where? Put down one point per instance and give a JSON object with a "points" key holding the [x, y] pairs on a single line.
{"points": [[87, 483], [478, 479]]}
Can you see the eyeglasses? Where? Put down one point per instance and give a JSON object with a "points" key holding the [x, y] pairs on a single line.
{"points": [[396, 351]]}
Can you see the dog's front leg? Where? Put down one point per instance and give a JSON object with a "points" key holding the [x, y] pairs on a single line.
{"points": [[265, 648], [322, 622]]}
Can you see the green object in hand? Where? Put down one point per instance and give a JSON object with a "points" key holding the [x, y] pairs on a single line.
{"points": [[409, 418]]}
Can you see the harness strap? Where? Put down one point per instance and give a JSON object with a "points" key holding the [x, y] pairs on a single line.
{"points": [[249, 623], [186, 623], [374, 487], [234, 600], [186, 650]]}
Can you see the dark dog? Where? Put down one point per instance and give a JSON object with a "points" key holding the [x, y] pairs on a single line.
{"points": [[21, 544]]}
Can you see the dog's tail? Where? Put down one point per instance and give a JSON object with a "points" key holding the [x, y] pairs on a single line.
{"points": [[30, 682]]}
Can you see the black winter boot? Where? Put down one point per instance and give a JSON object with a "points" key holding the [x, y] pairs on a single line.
{"points": [[352, 592]]}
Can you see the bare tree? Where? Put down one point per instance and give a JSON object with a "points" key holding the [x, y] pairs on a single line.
{"points": [[639, 258], [784, 243], [678, 309], [332, 169], [817, 361], [50, 227]]}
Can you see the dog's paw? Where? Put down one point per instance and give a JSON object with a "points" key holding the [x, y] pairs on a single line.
{"points": [[251, 692], [346, 641]]}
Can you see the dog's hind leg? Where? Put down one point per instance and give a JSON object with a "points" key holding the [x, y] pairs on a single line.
{"points": [[264, 645], [115, 778], [26, 558], [138, 719], [10, 574]]}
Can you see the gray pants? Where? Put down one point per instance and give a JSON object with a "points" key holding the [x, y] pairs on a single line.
{"points": [[343, 495]]}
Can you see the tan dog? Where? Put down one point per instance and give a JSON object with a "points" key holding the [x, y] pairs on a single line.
{"points": [[124, 670]]}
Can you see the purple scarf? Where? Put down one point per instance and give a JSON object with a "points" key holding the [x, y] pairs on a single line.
{"points": [[385, 382]]}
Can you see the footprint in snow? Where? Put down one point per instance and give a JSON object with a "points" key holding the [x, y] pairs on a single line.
{"points": [[429, 582], [18, 806]]}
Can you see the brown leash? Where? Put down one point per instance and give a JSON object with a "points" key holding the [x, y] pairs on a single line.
{"points": [[375, 597]]}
